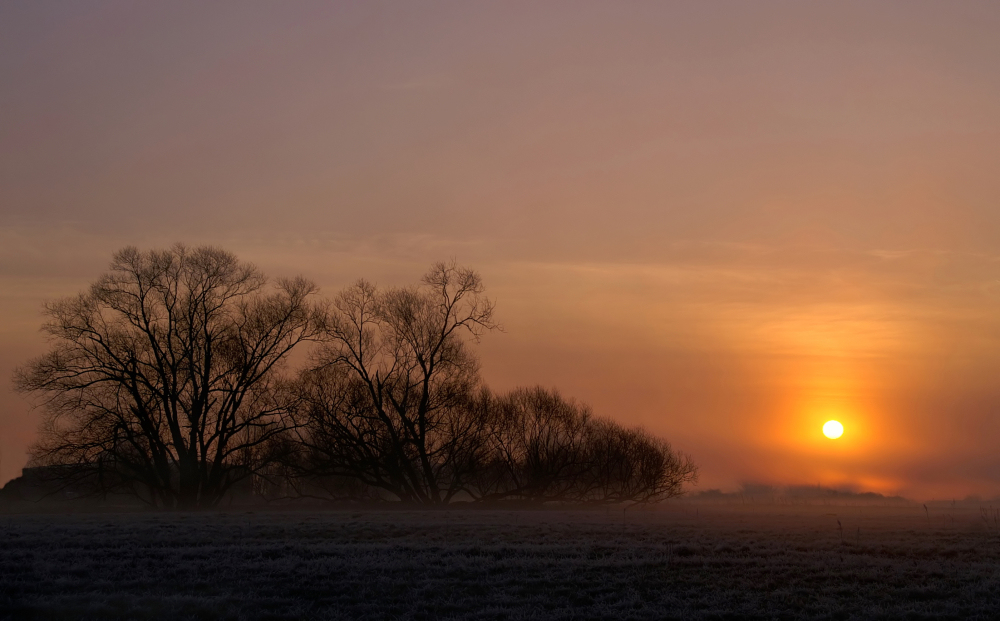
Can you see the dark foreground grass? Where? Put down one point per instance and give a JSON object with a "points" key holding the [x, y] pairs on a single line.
{"points": [[679, 562]]}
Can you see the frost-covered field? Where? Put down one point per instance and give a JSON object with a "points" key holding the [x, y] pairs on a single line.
{"points": [[683, 561]]}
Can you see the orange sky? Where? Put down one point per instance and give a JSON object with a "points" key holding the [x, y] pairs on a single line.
{"points": [[727, 222]]}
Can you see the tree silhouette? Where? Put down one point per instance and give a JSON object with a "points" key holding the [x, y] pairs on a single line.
{"points": [[389, 400], [166, 380], [542, 447], [160, 380]]}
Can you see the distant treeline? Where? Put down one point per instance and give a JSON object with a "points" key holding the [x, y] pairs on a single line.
{"points": [[804, 494], [168, 380]]}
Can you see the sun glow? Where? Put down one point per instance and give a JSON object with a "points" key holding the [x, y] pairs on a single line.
{"points": [[833, 429]]}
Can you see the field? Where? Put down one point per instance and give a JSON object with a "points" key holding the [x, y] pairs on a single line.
{"points": [[683, 561]]}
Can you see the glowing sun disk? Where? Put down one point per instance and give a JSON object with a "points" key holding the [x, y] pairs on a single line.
{"points": [[833, 429]]}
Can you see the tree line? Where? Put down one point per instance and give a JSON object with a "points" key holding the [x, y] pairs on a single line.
{"points": [[169, 379]]}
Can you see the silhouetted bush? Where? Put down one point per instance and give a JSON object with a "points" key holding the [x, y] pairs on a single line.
{"points": [[545, 448]]}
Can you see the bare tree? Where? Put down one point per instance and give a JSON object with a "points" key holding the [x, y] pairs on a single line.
{"points": [[536, 446], [542, 447], [160, 379], [390, 400], [631, 465]]}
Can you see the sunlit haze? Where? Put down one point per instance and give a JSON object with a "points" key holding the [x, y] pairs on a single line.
{"points": [[728, 222]]}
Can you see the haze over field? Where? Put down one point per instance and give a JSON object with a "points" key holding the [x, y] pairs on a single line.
{"points": [[728, 222]]}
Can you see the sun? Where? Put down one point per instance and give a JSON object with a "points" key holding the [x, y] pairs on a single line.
{"points": [[833, 429]]}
